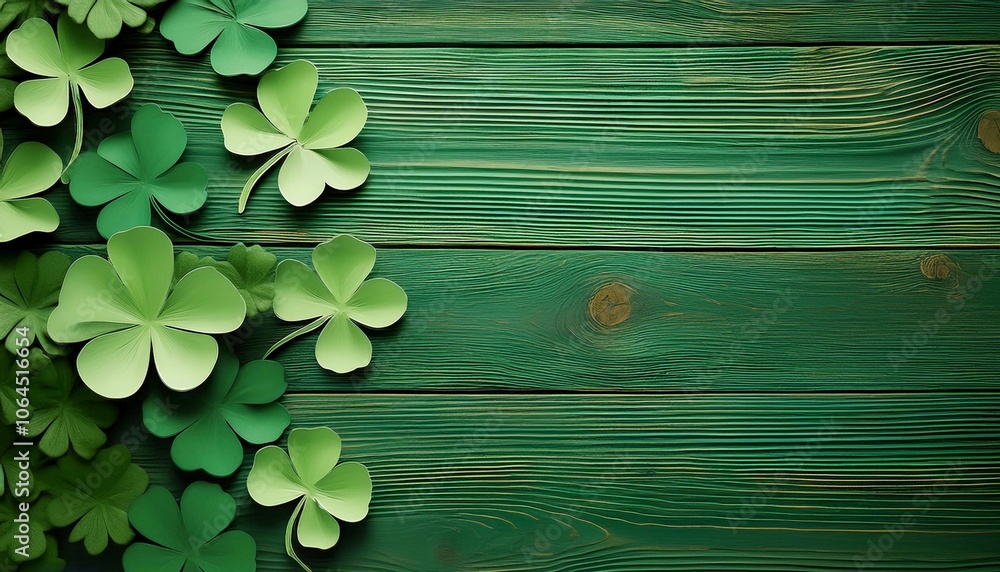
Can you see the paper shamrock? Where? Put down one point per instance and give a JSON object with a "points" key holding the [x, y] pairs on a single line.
{"points": [[31, 169], [125, 306], [29, 290], [309, 141], [309, 471], [17, 11], [66, 413], [99, 507], [251, 270], [234, 401], [37, 542], [241, 48], [135, 170], [105, 17], [338, 297], [67, 66], [188, 537]]}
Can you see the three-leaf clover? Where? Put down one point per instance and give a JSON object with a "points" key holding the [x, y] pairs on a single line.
{"points": [[125, 306], [241, 47], [189, 536], [66, 413], [29, 290], [251, 270], [309, 471], [310, 142], [96, 496], [105, 17], [234, 401], [338, 296], [67, 65], [31, 169], [135, 170]]}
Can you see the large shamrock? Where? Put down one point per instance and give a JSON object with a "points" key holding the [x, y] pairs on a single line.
{"points": [[66, 66], [67, 413], [134, 170], [189, 536], [310, 141], [309, 471], [125, 307], [241, 47], [99, 510], [31, 169], [232, 402], [251, 270], [29, 290], [105, 17]]}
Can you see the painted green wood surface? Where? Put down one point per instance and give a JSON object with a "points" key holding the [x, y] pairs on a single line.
{"points": [[722, 147]]}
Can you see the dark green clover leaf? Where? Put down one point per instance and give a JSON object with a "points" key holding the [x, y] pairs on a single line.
{"points": [[9, 74], [48, 562], [67, 413], [17, 11], [105, 17], [30, 169], [96, 496], [251, 270], [135, 170], [232, 402], [188, 536], [37, 542], [15, 383], [29, 290]]}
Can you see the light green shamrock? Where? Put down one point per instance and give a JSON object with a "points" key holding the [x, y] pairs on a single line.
{"points": [[105, 17], [31, 169]]}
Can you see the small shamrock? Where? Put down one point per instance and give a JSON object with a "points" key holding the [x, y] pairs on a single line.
{"points": [[11, 548], [232, 402], [17, 11], [189, 536], [29, 290], [105, 17], [251, 270], [31, 169], [241, 49], [99, 510], [311, 141], [135, 170], [338, 297], [67, 413], [67, 66], [125, 306], [309, 471]]}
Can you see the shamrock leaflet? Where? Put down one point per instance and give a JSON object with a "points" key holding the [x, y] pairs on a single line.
{"points": [[189, 536], [251, 270], [105, 17], [232, 402], [125, 307], [29, 290], [31, 169], [137, 169], [66, 66], [310, 145], [8, 77], [310, 471], [67, 413], [96, 495], [337, 297], [241, 49]]}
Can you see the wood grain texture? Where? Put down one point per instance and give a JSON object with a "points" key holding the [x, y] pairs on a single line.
{"points": [[500, 320]]}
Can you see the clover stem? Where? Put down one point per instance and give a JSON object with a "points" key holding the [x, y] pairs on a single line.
{"points": [[245, 195], [78, 143], [289, 548], [303, 330], [181, 230]]}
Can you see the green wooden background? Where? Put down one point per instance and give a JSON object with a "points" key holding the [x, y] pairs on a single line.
{"points": [[785, 206]]}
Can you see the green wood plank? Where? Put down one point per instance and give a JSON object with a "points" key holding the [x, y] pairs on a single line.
{"points": [[491, 320], [738, 483], [783, 147]]}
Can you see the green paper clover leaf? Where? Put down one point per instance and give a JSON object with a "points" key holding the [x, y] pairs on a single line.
{"points": [[29, 290], [96, 496], [234, 401], [105, 17], [123, 307], [251, 270], [67, 413], [31, 169], [135, 170], [38, 541], [242, 48], [311, 143], [17, 11], [309, 471], [188, 536], [338, 296]]}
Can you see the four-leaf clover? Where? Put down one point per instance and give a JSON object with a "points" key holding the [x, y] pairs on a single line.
{"points": [[234, 401], [311, 141], [31, 169], [309, 471], [29, 290], [241, 47], [338, 297], [135, 170], [125, 306], [188, 536], [105, 17]]}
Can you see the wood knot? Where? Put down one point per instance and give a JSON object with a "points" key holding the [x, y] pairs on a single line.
{"points": [[938, 267], [989, 130], [611, 304]]}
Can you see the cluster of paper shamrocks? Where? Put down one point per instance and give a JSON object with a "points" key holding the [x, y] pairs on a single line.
{"points": [[141, 321]]}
